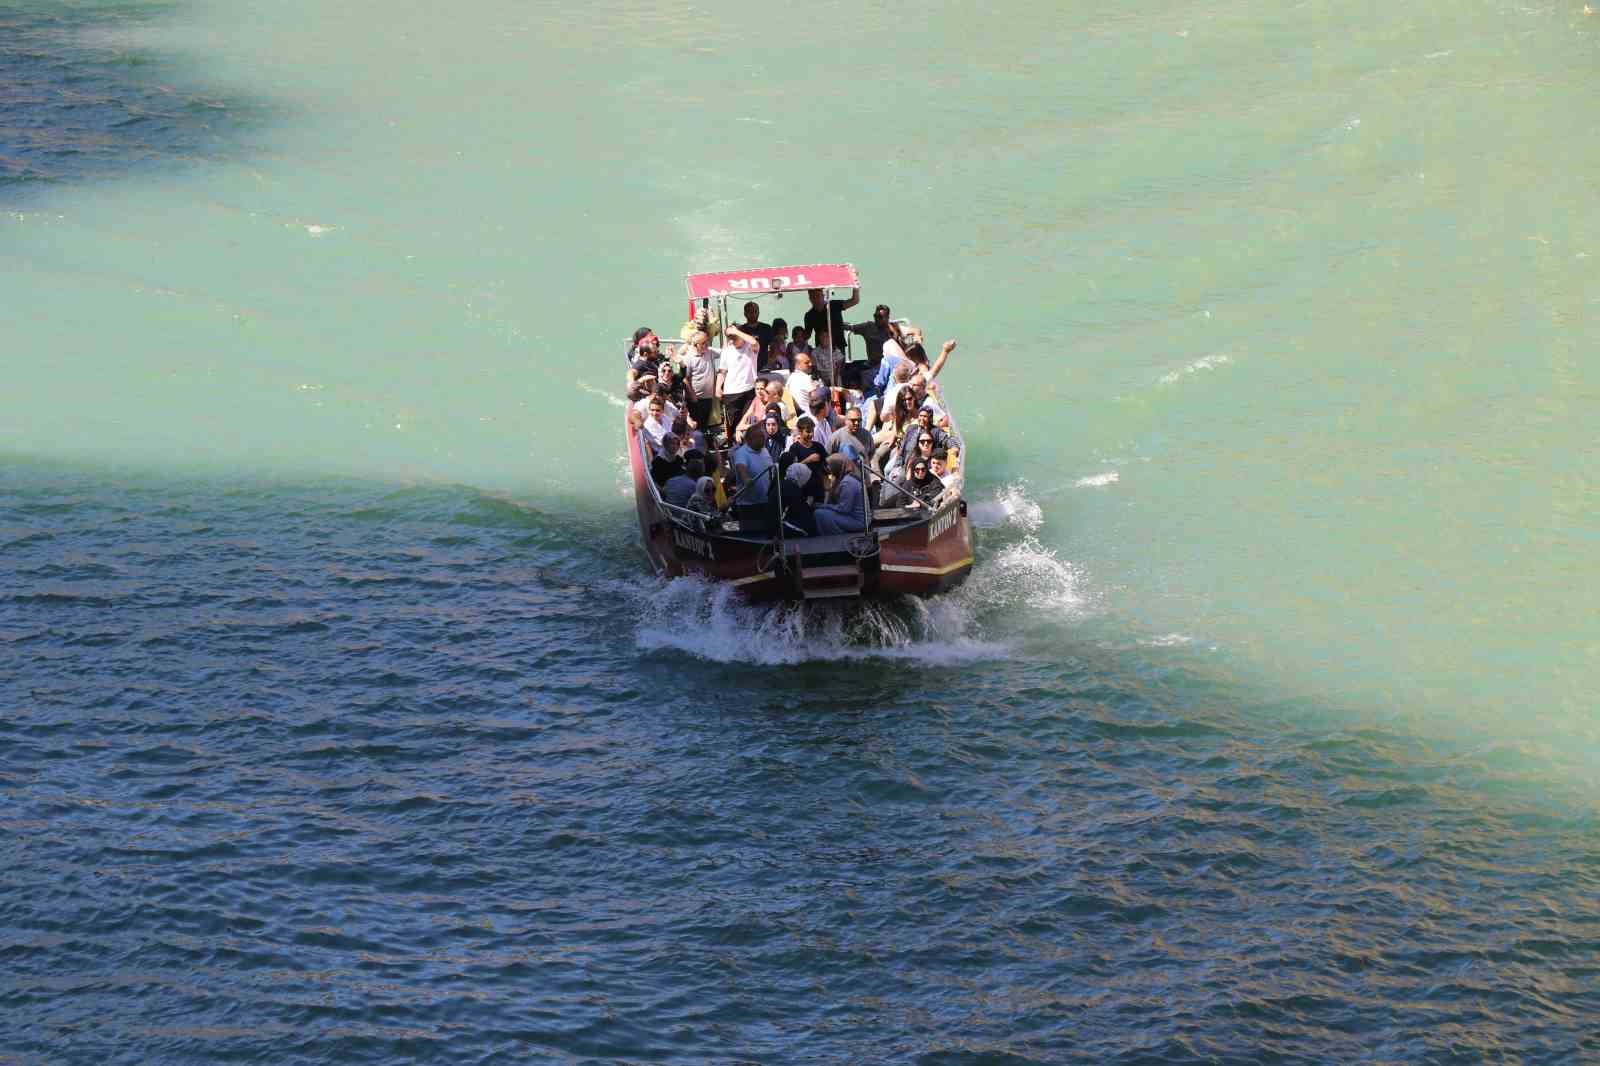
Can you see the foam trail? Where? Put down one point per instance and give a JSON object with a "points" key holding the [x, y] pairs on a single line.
{"points": [[609, 397], [1010, 507], [1095, 481], [710, 620]]}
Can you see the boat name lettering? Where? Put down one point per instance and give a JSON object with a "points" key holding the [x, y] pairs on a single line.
{"points": [[942, 524], [689, 542]]}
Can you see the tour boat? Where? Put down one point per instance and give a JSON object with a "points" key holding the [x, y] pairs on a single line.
{"points": [[908, 546]]}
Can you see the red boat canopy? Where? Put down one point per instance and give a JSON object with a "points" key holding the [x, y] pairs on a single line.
{"points": [[773, 279]]}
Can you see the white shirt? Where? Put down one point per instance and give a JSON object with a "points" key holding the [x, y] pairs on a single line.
{"points": [[738, 365], [670, 413], [801, 385], [658, 429]]}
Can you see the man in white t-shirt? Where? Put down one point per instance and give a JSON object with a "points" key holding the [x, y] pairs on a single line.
{"points": [[801, 384], [669, 409], [736, 375], [658, 419]]}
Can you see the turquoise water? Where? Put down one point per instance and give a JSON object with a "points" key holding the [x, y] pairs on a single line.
{"points": [[1274, 362]]}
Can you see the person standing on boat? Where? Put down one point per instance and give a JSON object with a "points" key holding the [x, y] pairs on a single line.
{"points": [[699, 379], [752, 326], [876, 332], [827, 316], [736, 375], [844, 512]]}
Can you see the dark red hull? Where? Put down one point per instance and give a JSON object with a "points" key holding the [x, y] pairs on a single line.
{"points": [[917, 558]]}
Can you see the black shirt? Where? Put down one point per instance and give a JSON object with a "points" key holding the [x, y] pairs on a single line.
{"points": [[663, 470], [797, 454], [761, 332], [874, 335], [832, 320]]}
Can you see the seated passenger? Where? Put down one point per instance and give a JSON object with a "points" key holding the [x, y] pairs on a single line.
{"points": [[755, 414], [805, 451], [923, 483], [797, 511], [775, 356], [845, 510], [801, 384], [777, 434], [658, 419], [892, 431], [799, 341], [668, 463], [704, 499], [752, 466], [826, 360], [921, 437], [939, 464], [853, 442], [902, 377], [825, 414], [688, 439], [680, 488], [667, 377]]}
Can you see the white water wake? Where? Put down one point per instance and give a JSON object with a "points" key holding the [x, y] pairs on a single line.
{"points": [[1008, 593]]}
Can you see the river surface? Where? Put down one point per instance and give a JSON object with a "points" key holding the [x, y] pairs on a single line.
{"points": [[341, 719]]}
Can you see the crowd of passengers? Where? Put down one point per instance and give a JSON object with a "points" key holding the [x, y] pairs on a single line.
{"points": [[778, 410]]}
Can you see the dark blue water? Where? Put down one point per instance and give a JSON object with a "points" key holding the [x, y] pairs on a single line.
{"points": [[335, 772], [74, 104]]}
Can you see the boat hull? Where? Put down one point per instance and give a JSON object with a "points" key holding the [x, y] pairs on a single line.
{"points": [[913, 559]]}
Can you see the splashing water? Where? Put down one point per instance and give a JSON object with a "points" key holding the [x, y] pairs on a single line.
{"points": [[1011, 507], [711, 621]]}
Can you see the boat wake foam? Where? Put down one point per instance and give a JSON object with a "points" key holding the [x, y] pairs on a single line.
{"points": [[1011, 589], [1010, 508]]}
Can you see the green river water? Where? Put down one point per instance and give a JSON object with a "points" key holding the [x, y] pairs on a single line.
{"points": [[1280, 316]]}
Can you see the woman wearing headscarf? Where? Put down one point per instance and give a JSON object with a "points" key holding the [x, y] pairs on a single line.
{"points": [[796, 508], [845, 510], [703, 500]]}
